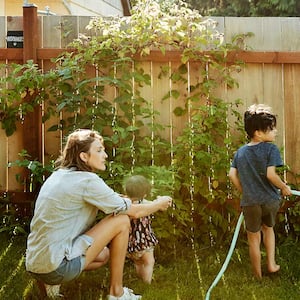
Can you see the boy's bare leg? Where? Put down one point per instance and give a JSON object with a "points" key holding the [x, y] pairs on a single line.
{"points": [[254, 240], [113, 230], [269, 242]]}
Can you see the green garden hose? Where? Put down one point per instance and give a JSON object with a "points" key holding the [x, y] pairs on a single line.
{"points": [[234, 239]]}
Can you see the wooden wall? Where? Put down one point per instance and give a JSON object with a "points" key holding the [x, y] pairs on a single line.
{"points": [[271, 76]]}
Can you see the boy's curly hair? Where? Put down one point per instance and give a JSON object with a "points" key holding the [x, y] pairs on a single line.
{"points": [[259, 117]]}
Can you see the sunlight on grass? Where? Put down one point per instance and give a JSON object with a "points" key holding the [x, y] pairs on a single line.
{"points": [[28, 289], [199, 272], [184, 274], [5, 251], [13, 275]]}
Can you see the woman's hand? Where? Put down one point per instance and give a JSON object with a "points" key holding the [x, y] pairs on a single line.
{"points": [[164, 201]]}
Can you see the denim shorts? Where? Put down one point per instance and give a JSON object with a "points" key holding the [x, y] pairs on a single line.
{"points": [[67, 271], [257, 215]]}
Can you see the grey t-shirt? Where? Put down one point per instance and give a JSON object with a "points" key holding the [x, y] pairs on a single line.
{"points": [[66, 207], [251, 163]]}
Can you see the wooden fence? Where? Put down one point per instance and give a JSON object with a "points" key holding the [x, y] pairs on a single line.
{"points": [[270, 76]]}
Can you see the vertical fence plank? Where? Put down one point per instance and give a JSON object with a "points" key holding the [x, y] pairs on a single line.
{"points": [[15, 146], [290, 28], [3, 160], [273, 96], [2, 31], [69, 29], [179, 122], [51, 32], [51, 139], [292, 113], [83, 21], [271, 42], [161, 88], [235, 26], [147, 93]]}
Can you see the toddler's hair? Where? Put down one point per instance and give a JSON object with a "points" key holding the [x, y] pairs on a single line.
{"points": [[137, 187], [259, 117]]}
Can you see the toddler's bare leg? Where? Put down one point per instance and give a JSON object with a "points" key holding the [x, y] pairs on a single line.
{"points": [[144, 266]]}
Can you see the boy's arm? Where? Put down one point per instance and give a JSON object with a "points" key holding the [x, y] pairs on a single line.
{"points": [[276, 181], [233, 176]]}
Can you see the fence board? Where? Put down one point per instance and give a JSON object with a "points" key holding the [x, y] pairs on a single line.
{"points": [[161, 87], [270, 41], [235, 26], [14, 23], [51, 32], [14, 146], [3, 160], [2, 32], [69, 29], [292, 113], [273, 96], [178, 123], [290, 28], [147, 93]]}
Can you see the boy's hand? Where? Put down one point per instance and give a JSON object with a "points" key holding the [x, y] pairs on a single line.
{"points": [[286, 191]]}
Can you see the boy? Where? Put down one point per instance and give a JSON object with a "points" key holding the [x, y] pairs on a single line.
{"points": [[253, 172]]}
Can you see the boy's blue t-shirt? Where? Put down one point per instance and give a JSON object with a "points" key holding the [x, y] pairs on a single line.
{"points": [[251, 163]]}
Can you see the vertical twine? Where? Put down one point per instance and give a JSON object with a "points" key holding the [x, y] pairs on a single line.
{"points": [[114, 111], [96, 103], [192, 178], [132, 146]]}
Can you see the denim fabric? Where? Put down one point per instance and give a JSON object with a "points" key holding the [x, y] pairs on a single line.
{"points": [[67, 271]]}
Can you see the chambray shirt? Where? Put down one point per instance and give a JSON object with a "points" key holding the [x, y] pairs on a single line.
{"points": [[251, 163], [66, 207]]}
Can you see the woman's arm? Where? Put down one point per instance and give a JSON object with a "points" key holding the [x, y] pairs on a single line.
{"points": [[141, 210]]}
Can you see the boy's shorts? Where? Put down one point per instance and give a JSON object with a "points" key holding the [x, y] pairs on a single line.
{"points": [[257, 215]]}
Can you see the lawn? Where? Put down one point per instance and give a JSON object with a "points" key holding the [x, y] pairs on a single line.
{"points": [[182, 274]]}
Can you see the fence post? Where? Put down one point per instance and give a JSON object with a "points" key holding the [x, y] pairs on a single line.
{"points": [[30, 32], [32, 131]]}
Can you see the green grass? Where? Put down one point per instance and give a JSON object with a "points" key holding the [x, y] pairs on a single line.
{"points": [[185, 275]]}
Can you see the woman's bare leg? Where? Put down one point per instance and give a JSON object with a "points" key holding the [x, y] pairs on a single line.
{"points": [[99, 261], [113, 230]]}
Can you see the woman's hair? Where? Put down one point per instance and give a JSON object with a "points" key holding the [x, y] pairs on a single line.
{"points": [[77, 142], [137, 187], [259, 117]]}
